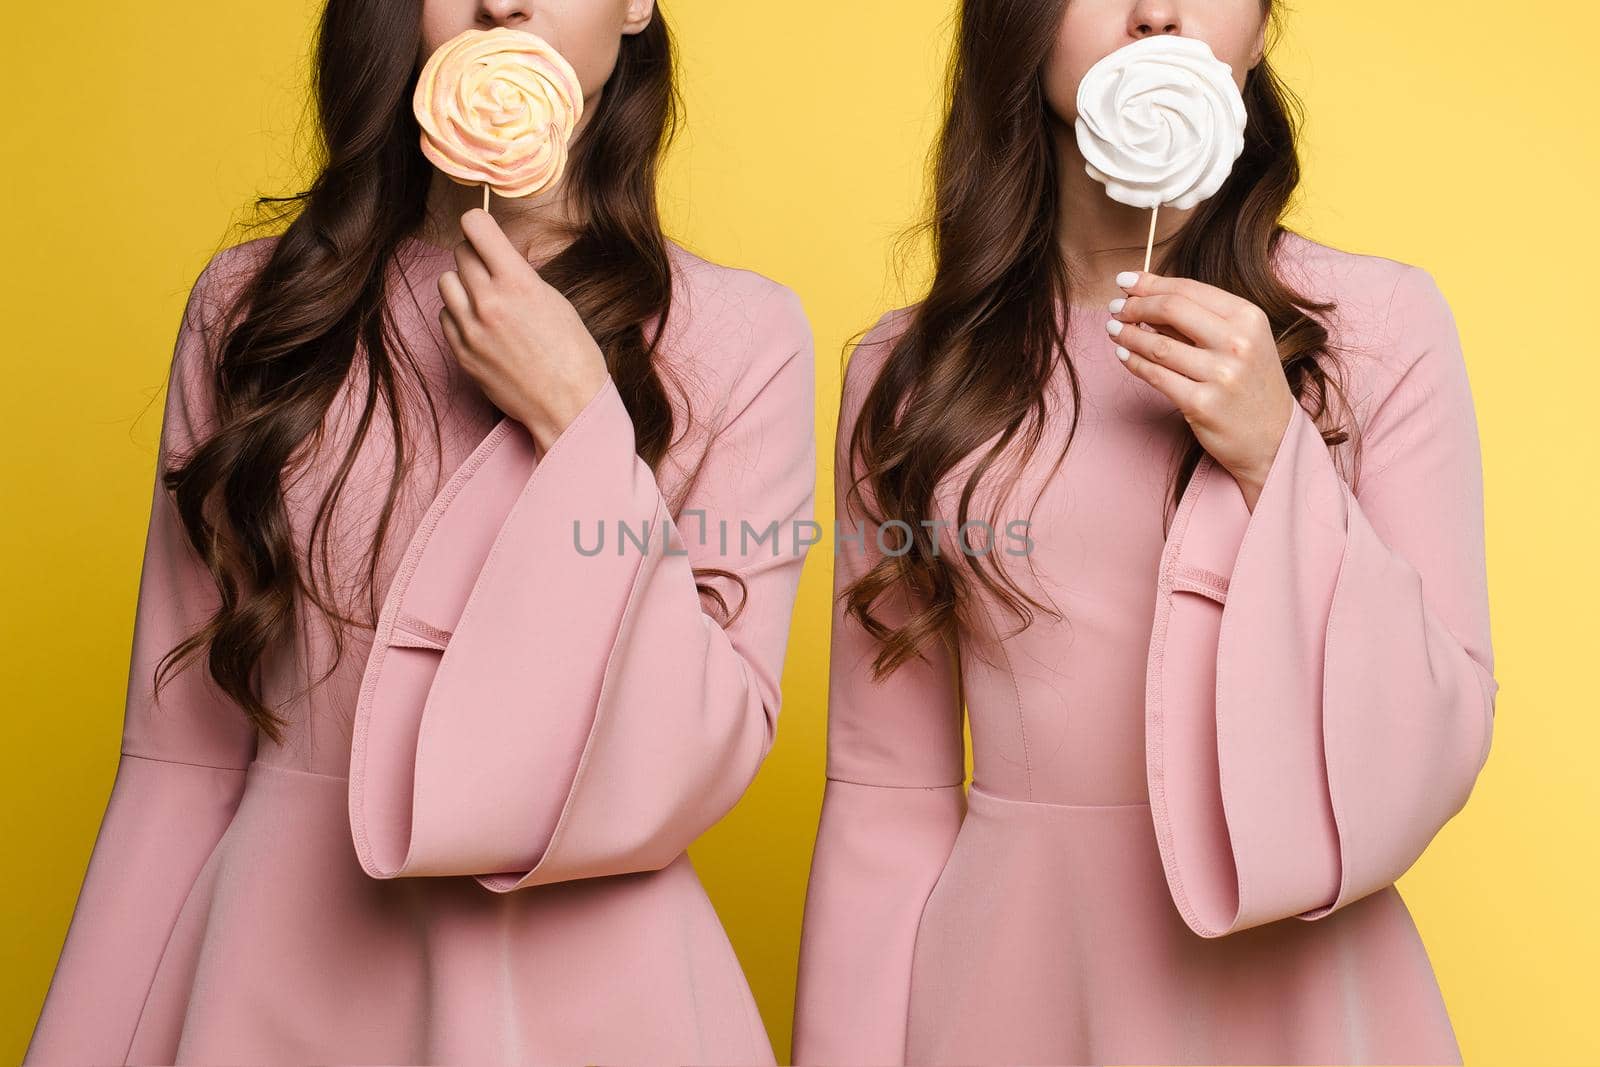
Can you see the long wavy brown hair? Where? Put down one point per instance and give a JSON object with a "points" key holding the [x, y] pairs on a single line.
{"points": [[973, 360], [317, 312]]}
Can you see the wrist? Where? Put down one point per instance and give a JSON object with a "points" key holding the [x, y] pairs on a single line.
{"points": [[1254, 478], [548, 417], [1250, 486]]}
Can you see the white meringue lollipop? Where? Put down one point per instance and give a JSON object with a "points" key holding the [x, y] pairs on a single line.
{"points": [[1160, 121]]}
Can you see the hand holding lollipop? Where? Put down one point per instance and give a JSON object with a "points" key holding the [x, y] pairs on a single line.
{"points": [[1160, 121], [498, 107]]}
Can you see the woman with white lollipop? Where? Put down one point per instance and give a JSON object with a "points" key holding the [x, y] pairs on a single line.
{"points": [[1214, 611], [446, 688]]}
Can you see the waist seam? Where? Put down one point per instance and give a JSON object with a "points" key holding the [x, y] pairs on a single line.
{"points": [[257, 765], [983, 796]]}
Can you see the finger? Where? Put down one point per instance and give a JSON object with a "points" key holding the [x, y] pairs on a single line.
{"points": [[452, 333], [1167, 330], [1217, 300], [1180, 356], [473, 272], [491, 243], [456, 300], [1176, 387], [1196, 323]]}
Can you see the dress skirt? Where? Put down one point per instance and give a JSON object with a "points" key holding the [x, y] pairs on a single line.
{"points": [[1051, 938]]}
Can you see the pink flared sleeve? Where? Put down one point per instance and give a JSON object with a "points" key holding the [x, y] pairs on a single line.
{"points": [[181, 770], [1320, 690], [892, 803], [586, 711]]}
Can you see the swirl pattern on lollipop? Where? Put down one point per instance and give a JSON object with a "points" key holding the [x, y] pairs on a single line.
{"points": [[1160, 121], [497, 107]]}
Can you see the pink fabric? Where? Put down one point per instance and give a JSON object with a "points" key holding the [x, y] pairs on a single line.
{"points": [[470, 846], [1190, 799]]}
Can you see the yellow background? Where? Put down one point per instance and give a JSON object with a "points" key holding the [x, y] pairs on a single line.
{"points": [[136, 133]]}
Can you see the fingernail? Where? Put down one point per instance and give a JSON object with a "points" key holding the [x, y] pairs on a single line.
{"points": [[1118, 304], [1122, 353], [1113, 327], [1128, 279]]}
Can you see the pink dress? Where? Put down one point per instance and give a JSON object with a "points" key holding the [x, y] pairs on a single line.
{"points": [[502, 879], [1189, 800]]}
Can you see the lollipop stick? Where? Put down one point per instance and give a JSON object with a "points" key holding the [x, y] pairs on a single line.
{"points": [[1150, 242], [486, 196]]}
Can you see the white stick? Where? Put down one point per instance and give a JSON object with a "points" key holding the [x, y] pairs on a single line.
{"points": [[1150, 242], [486, 196]]}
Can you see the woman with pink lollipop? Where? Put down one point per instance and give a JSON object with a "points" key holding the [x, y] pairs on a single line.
{"points": [[459, 638], [1238, 673]]}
